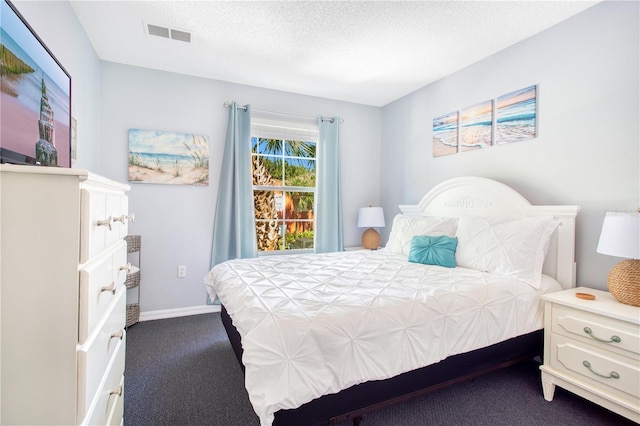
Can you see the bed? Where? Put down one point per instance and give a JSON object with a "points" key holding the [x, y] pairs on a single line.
{"points": [[455, 293]]}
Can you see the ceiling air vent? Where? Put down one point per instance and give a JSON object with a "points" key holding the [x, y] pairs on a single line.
{"points": [[158, 31], [164, 32], [181, 35]]}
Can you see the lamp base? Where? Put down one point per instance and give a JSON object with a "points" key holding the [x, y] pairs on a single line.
{"points": [[371, 239], [624, 282]]}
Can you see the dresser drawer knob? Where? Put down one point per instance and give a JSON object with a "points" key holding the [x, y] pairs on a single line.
{"points": [[126, 267], [108, 222], [612, 339], [612, 375], [111, 288], [118, 334], [125, 218], [116, 391]]}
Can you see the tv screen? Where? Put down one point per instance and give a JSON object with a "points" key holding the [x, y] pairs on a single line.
{"points": [[35, 97]]}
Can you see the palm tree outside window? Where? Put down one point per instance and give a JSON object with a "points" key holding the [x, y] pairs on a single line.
{"points": [[284, 189]]}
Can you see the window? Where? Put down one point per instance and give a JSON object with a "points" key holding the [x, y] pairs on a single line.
{"points": [[284, 185]]}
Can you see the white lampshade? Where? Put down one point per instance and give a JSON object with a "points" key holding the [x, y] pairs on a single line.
{"points": [[620, 235], [370, 217]]}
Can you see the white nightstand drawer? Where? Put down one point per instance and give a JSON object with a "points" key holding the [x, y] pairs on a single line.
{"points": [[99, 350], [607, 333], [619, 374]]}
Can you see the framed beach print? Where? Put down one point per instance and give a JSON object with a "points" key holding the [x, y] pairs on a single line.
{"points": [[445, 134], [168, 157], [516, 115], [476, 124]]}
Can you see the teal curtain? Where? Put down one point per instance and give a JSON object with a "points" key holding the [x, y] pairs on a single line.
{"points": [[328, 210], [234, 231]]}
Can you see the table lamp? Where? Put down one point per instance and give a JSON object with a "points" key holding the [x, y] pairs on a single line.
{"points": [[371, 217], [620, 237]]}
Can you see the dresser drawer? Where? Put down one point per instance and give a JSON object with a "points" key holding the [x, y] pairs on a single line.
{"points": [[103, 221], [109, 403], [116, 413], [98, 352], [100, 284], [603, 332], [618, 374], [117, 208]]}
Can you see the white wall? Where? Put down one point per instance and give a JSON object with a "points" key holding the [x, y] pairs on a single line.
{"points": [[58, 27], [587, 152], [176, 221]]}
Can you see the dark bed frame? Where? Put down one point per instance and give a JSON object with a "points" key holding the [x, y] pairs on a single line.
{"points": [[352, 403]]}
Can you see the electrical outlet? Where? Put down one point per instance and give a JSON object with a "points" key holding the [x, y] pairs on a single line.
{"points": [[182, 271]]}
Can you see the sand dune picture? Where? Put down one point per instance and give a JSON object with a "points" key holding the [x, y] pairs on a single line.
{"points": [[168, 158]]}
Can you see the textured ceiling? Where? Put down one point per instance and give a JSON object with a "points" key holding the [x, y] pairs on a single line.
{"points": [[359, 51]]}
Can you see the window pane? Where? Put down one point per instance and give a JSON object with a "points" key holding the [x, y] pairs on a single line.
{"points": [[299, 235], [299, 220], [300, 205], [300, 172], [267, 170], [266, 146], [269, 235], [300, 149], [268, 209]]}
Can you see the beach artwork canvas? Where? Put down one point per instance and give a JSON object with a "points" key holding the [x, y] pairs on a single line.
{"points": [[168, 158], [445, 134], [477, 126], [516, 116]]}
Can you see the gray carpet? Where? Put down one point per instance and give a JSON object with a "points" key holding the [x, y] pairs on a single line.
{"points": [[182, 371]]}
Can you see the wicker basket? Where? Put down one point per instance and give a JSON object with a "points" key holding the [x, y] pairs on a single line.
{"points": [[624, 282], [133, 243], [133, 279], [133, 314]]}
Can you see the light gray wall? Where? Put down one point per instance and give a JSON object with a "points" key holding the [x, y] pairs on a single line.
{"points": [[57, 25], [176, 221], [587, 152]]}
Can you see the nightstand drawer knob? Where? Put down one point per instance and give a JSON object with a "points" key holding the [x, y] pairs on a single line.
{"points": [[613, 339], [612, 375]]}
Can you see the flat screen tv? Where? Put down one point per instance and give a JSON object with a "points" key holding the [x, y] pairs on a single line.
{"points": [[35, 96]]}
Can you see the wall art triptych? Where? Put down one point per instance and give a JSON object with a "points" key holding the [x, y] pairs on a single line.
{"points": [[509, 118]]}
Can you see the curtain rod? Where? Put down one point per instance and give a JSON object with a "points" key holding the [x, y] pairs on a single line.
{"points": [[244, 108]]}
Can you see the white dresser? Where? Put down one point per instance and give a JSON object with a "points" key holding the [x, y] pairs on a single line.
{"points": [[592, 348], [63, 264]]}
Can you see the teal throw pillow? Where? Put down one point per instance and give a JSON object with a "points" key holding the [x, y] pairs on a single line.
{"points": [[434, 250]]}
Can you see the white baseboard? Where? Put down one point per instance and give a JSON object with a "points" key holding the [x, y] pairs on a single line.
{"points": [[178, 312]]}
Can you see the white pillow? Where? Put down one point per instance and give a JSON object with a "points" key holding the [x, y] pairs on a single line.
{"points": [[406, 227], [514, 248]]}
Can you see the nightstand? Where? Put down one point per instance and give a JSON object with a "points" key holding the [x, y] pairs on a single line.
{"points": [[592, 348]]}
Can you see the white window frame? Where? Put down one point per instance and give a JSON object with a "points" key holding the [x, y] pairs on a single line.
{"points": [[283, 128]]}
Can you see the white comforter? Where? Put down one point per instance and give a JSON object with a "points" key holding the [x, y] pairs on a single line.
{"points": [[316, 324]]}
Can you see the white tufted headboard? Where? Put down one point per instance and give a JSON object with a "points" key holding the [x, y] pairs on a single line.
{"points": [[475, 196]]}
